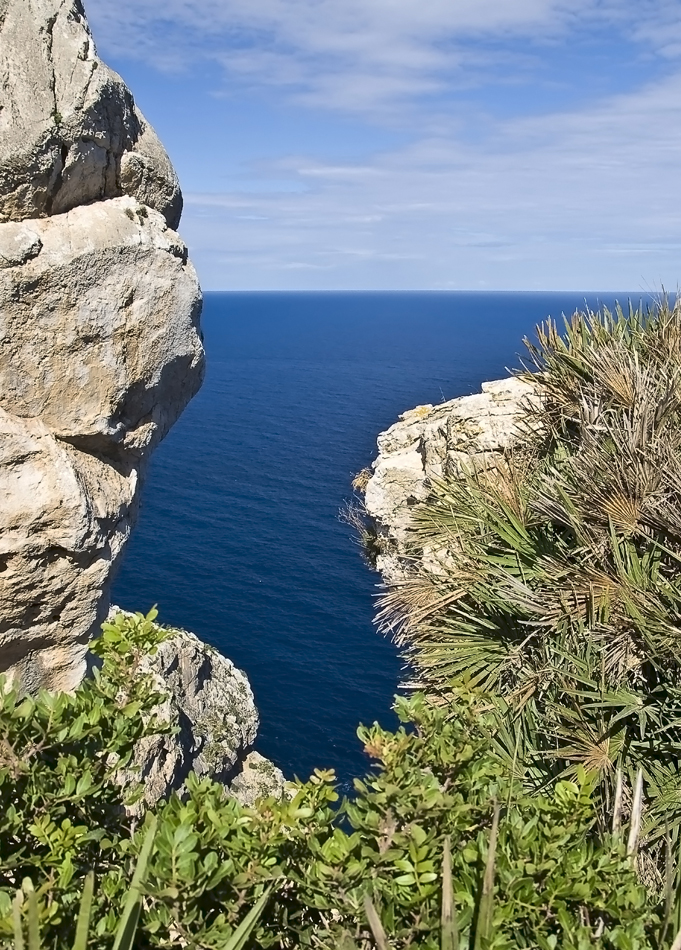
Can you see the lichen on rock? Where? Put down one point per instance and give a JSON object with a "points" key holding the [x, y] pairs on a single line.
{"points": [[258, 778]]}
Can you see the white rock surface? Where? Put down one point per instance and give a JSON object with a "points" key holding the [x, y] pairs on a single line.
{"points": [[99, 340], [428, 442]]}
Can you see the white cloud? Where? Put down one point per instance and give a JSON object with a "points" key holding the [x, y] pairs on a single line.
{"points": [[583, 200], [359, 54]]}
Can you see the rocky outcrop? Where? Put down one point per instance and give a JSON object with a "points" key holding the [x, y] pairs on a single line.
{"points": [[258, 778], [70, 132], [210, 707], [429, 442], [99, 342]]}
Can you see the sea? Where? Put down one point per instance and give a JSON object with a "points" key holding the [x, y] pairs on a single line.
{"points": [[239, 537]]}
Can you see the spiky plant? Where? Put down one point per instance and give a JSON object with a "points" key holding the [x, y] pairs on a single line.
{"points": [[553, 581]]}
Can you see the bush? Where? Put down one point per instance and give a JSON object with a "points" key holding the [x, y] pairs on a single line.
{"points": [[308, 864], [558, 589], [61, 812]]}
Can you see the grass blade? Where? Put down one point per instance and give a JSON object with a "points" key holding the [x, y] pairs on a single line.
{"points": [[33, 916], [376, 925], [636, 811], [243, 931], [83, 925], [676, 902], [125, 934], [449, 939], [483, 928], [617, 809], [16, 920]]}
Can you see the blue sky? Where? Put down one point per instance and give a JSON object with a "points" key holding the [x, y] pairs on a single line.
{"points": [[415, 144]]}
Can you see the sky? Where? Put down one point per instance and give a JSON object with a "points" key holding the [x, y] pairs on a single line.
{"points": [[415, 144]]}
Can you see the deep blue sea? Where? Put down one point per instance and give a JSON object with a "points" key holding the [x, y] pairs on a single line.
{"points": [[239, 538]]}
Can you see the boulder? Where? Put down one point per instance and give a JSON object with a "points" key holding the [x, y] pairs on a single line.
{"points": [[100, 348], [64, 518], [70, 132], [99, 326], [258, 778]]}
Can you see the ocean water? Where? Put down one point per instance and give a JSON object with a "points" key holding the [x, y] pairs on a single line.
{"points": [[239, 538]]}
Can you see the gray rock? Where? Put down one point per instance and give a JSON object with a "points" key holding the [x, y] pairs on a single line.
{"points": [[428, 442], [99, 329], [210, 704], [64, 518], [259, 778], [100, 348]]}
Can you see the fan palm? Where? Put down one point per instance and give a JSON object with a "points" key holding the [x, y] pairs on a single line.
{"points": [[553, 577]]}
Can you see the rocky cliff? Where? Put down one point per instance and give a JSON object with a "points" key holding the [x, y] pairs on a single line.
{"points": [[100, 348], [428, 442], [213, 719]]}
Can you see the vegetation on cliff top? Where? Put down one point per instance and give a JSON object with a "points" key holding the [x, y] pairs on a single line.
{"points": [[556, 589]]}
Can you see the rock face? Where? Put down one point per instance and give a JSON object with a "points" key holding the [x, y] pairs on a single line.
{"points": [[258, 778], [70, 132], [210, 703], [431, 441], [99, 340]]}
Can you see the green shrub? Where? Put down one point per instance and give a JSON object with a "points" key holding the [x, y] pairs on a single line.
{"points": [[61, 813], [558, 588], [308, 864]]}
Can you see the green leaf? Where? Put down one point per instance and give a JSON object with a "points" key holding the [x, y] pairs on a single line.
{"points": [[125, 934]]}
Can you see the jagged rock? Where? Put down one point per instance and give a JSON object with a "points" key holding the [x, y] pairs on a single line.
{"points": [[428, 442], [99, 342], [259, 778], [70, 132], [210, 703]]}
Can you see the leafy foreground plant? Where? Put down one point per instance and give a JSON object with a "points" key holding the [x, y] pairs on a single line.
{"points": [[124, 938], [558, 584], [303, 871]]}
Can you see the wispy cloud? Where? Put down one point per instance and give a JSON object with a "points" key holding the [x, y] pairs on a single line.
{"points": [[577, 200], [541, 195], [361, 54]]}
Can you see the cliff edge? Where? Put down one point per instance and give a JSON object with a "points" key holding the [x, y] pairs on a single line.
{"points": [[100, 349], [429, 442]]}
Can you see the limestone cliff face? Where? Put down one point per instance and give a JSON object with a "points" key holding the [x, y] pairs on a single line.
{"points": [[70, 132], [100, 348], [429, 442]]}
